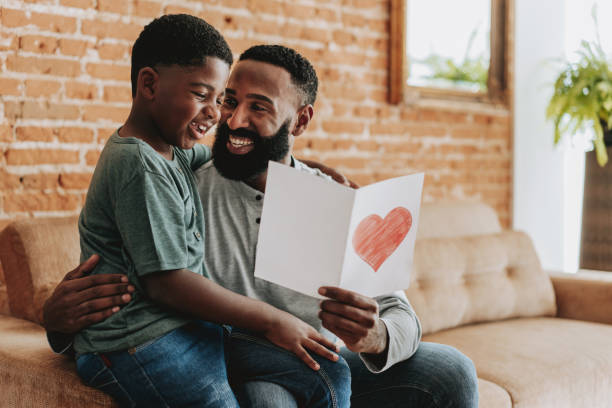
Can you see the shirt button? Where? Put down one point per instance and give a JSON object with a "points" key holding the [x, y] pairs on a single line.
{"points": [[195, 213], [258, 197], [197, 234], [258, 220], [180, 170]]}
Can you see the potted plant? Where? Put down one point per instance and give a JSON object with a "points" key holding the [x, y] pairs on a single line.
{"points": [[582, 99]]}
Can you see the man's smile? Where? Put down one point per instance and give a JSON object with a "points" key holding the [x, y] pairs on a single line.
{"points": [[240, 145]]}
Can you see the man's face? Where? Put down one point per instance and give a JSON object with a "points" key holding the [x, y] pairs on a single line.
{"points": [[187, 100], [258, 119]]}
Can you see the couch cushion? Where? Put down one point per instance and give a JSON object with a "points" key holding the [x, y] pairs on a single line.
{"points": [[491, 395], [35, 255], [541, 362], [463, 280], [32, 376], [456, 218]]}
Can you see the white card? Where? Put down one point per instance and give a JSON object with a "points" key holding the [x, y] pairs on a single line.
{"points": [[315, 233]]}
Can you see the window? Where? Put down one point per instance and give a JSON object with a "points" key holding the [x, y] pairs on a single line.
{"points": [[448, 49]]}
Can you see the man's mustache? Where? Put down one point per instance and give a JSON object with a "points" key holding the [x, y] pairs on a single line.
{"points": [[240, 132]]}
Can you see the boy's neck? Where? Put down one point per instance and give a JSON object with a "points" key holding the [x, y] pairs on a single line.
{"points": [[140, 126]]}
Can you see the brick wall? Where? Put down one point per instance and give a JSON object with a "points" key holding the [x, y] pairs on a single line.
{"points": [[64, 87]]}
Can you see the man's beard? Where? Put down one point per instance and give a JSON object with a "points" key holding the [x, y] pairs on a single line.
{"points": [[253, 163]]}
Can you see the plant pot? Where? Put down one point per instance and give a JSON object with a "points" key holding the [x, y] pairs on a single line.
{"points": [[596, 238]]}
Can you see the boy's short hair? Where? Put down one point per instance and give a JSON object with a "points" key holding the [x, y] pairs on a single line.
{"points": [[177, 39], [302, 72]]}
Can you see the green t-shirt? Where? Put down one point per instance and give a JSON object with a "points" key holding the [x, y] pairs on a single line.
{"points": [[142, 215]]}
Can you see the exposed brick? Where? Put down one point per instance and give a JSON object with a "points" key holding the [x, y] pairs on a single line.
{"points": [[6, 133], [146, 8], [41, 87], [9, 42], [174, 9], [13, 18], [113, 6], [365, 112], [49, 110], [51, 66], [23, 157], [34, 134], [75, 181], [105, 133], [91, 157], [265, 7], [10, 86], [8, 181], [84, 4], [111, 29], [334, 126], [389, 128], [76, 48], [13, 110], [40, 181], [354, 128], [53, 22], [29, 202], [109, 71], [93, 113], [81, 90], [38, 43], [118, 93], [75, 135], [113, 51]]}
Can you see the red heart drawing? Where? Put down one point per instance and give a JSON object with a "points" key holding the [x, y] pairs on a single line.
{"points": [[376, 239]]}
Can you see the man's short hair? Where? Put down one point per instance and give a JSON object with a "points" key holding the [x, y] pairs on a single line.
{"points": [[302, 73], [177, 39]]}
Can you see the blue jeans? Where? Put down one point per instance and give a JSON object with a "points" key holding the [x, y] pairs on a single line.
{"points": [[436, 376], [264, 375], [183, 368]]}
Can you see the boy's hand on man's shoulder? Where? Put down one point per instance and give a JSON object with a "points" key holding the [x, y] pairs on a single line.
{"points": [[81, 300]]}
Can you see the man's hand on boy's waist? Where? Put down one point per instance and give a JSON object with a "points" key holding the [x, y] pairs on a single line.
{"points": [[81, 300]]}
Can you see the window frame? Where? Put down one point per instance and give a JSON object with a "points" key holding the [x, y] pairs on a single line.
{"points": [[497, 83]]}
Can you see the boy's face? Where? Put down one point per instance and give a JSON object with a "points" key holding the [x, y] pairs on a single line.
{"points": [[187, 100]]}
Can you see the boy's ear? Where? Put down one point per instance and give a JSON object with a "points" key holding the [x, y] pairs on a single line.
{"points": [[305, 115], [148, 80]]}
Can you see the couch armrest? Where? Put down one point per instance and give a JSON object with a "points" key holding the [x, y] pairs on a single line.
{"points": [[586, 295]]}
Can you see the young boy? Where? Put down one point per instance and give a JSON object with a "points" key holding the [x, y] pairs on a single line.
{"points": [[143, 216]]}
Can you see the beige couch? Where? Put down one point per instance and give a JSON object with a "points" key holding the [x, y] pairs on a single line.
{"points": [[536, 341]]}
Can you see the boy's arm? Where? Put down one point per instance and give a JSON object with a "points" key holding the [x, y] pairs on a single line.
{"points": [[198, 156], [192, 294]]}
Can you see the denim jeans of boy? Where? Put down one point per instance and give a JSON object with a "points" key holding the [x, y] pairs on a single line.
{"points": [[264, 375], [183, 368], [436, 376]]}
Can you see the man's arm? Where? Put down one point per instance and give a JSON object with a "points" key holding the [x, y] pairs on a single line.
{"points": [[81, 300], [384, 331], [338, 177]]}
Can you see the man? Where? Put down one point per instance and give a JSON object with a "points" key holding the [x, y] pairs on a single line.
{"points": [[269, 101]]}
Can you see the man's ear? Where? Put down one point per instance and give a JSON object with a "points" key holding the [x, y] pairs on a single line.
{"points": [[148, 81], [305, 115]]}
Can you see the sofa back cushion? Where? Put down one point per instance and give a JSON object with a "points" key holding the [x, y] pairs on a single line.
{"points": [[4, 309], [35, 255], [462, 280], [456, 219]]}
